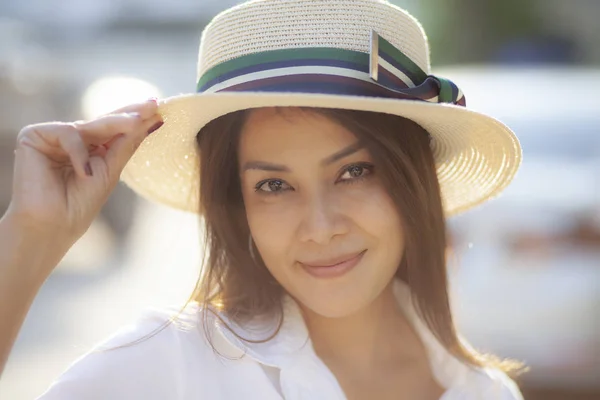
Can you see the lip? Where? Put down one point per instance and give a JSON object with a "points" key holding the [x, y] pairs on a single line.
{"points": [[334, 267]]}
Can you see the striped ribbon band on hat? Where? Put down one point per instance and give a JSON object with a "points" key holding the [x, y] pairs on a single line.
{"points": [[385, 72]]}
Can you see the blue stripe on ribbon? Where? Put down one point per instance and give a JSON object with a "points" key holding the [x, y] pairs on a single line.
{"points": [[338, 85], [393, 82], [339, 88], [320, 84]]}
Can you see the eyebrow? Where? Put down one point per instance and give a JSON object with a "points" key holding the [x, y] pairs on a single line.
{"points": [[266, 166]]}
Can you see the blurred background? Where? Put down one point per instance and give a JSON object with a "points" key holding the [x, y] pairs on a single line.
{"points": [[526, 277]]}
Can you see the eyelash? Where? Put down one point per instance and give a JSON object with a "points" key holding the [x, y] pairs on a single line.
{"points": [[367, 167]]}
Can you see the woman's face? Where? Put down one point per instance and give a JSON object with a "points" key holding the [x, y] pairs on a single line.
{"points": [[322, 222]]}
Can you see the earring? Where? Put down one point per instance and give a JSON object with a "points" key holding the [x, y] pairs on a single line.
{"points": [[251, 249]]}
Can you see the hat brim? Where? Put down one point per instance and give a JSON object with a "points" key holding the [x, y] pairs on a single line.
{"points": [[476, 155]]}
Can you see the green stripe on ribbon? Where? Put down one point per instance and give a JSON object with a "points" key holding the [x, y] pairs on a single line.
{"points": [[416, 73], [317, 53], [445, 95]]}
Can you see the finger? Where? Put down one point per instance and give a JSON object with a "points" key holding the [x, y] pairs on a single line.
{"points": [[77, 150], [101, 149], [124, 146], [103, 129], [50, 138], [98, 151], [146, 108]]}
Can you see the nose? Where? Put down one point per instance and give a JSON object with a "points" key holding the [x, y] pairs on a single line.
{"points": [[322, 219]]}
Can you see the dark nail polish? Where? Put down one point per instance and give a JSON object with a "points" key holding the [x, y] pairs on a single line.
{"points": [[88, 169], [155, 127]]}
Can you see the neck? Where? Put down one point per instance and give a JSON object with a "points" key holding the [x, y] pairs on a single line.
{"points": [[375, 336]]}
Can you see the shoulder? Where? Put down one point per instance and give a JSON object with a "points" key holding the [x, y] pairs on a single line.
{"points": [[488, 382], [148, 358], [494, 384], [484, 383]]}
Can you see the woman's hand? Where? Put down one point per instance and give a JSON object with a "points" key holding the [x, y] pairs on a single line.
{"points": [[65, 172]]}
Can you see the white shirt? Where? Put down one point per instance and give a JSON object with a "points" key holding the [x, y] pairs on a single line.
{"points": [[179, 363]]}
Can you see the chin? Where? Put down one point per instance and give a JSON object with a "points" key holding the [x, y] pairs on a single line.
{"points": [[341, 310], [335, 301]]}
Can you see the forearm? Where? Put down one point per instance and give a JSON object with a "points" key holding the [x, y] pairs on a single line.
{"points": [[26, 260]]}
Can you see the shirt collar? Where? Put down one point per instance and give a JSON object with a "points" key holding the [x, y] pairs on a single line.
{"points": [[293, 341]]}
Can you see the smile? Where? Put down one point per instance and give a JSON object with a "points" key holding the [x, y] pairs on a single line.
{"points": [[333, 268]]}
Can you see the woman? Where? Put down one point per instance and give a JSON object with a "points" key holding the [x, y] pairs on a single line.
{"points": [[329, 158]]}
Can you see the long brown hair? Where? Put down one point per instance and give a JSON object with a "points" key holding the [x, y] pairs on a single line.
{"points": [[242, 287]]}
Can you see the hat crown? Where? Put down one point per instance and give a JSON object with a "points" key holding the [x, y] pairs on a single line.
{"points": [[265, 25]]}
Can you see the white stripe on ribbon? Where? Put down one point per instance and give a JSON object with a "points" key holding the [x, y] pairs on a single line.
{"points": [[273, 73], [395, 71]]}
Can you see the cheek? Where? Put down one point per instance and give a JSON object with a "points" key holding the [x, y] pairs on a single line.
{"points": [[377, 217], [373, 210], [272, 223]]}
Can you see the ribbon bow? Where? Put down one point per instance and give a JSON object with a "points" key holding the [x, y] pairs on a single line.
{"points": [[391, 68]]}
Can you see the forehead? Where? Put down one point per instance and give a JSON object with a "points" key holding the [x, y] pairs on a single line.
{"points": [[291, 130]]}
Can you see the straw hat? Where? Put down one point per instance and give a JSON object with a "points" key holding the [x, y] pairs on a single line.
{"points": [[353, 54]]}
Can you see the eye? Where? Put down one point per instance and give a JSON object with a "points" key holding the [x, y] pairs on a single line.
{"points": [[272, 186], [356, 171]]}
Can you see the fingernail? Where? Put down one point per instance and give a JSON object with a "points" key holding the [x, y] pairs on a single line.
{"points": [[155, 127], [88, 169], [134, 114], [154, 99]]}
